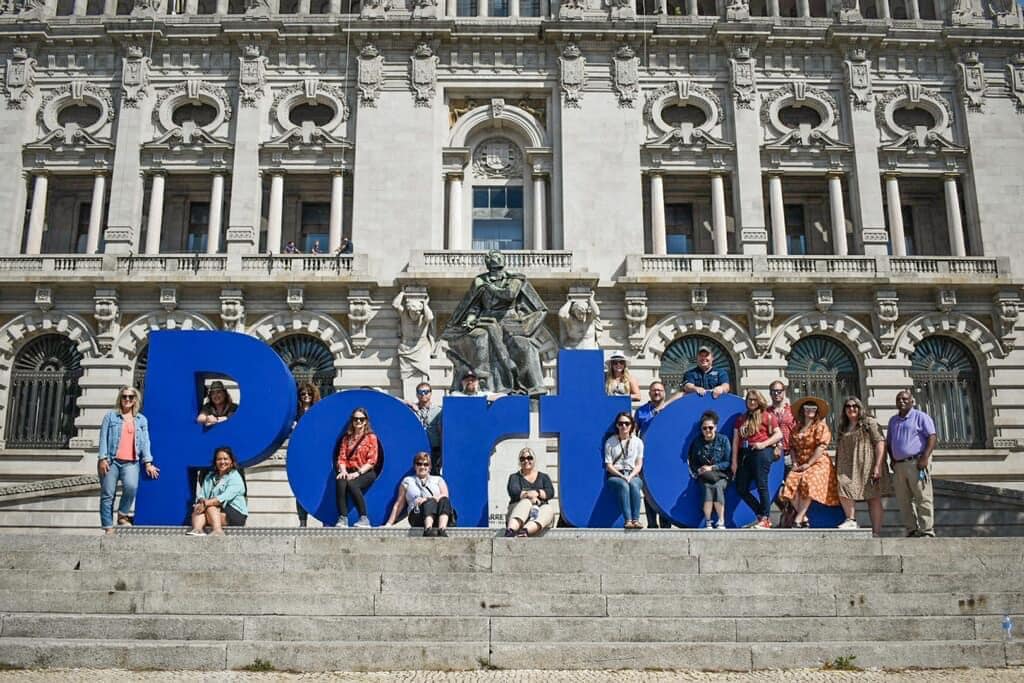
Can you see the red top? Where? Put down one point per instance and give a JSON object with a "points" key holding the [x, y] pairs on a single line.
{"points": [[126, 446], [354, 453], [786, 422], [768, 424]]}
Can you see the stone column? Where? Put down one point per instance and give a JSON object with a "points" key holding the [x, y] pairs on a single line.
{"points": [[883, 9], [803, 8], [913, 11], [452, 8], [455, 211], [303, 7], [780, 246], [659, 241], [222, 6], [897, 238], [109, 8], [80, 8], [483, 8], [545, 8], [838, 214], [513, 8], [539, 212], [721, 237], [216, 211], [337, 211], [953, 219], [274, 213], [37, 218], [691, 7], [773, 8], [99, 193], [156, 214]]}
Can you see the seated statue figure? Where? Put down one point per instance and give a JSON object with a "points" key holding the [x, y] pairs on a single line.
{"points": [[498, 330]]}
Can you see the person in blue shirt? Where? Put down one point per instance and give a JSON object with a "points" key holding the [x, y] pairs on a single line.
{"points": [[704, 378], [710, 459], [222, 496], [642, 417]]}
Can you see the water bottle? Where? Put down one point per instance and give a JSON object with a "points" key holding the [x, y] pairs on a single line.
{"points": [[1007, 627], [534, 512]]}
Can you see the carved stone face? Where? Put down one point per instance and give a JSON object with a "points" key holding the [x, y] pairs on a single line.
{"points": [[414, 308], [580, 310]]}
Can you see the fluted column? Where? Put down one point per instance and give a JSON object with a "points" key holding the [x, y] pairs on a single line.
{"points": [[838, 214], [803, 8], [80, 8], [303, 7], [513, 8], [216, 213], [37, 217], [455, 239], [274, 213], [483, 8], [156, 214], [718, 228], [539, 211], [659, 240], [894, 210], [953, 220], [99, 194], [913, 11], [337, 212], [777, 208]]}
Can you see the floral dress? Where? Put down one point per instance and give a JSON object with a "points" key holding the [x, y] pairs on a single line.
{"points": [[819, 481], [855, 459]]}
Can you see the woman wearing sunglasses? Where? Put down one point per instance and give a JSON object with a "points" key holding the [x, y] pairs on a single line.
{"points": [[124, 441], [623, 460], [860, 465], [530, 491], [710, 460], [355, 467], [426, 497], [309, 394]]}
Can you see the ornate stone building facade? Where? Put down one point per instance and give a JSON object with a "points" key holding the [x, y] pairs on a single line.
{"points": [[825, 191]]}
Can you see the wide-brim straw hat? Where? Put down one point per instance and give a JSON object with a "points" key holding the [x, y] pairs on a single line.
{"points": [[823, 408]]}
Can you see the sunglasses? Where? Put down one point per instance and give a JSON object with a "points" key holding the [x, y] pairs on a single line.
{"points": [[422, 392], [707, 429], [127, 397], [423, 464], [525, 458], [359, 419], [852, 406], [776, 391], [623, 424]]}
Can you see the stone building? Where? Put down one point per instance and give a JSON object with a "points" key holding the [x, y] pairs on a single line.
{"points": [[820, 191]]}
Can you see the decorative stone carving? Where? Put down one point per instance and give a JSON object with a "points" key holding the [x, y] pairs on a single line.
{"points": [[800, 94], [572, 75], [965, 12], [169, 298], [78, 91], [579, 320], [743, 77], [423, 74], [193, 89], [1015, 77], [145, 9], [698, 299], [857, 71], [252, 75], [885, 315], [295, 299], [108, 318], [371, 75], [416, 326], [636, 318], [232, 310], [44, 298], [914, 94], [621, 10], [20, 78], [1007, 312], [685, 92], [847, 11], [571, 9], [258, 9], [1005, 13], [970, 73], [424, 9], [823, 299], [310, 90], [32, 10], [737, 10], [359, 314], [945, 300], [374, 9], [762, 313], [497, 158], [134, 77], [626, 75]]}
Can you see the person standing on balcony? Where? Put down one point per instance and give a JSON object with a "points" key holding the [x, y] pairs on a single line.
{"points": [[316, 247], [290, 248], [124, 441], [910, 441], [346, 246]]}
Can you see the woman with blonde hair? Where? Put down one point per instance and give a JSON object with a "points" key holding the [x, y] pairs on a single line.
{"points": [[124, 441], [530, 492], [753, 440], [618, 381], [860, 464], [813, 478]]}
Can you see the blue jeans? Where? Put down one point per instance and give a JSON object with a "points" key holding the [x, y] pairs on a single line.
{"points": [[128, 474], [630, 494], [754, 466]]}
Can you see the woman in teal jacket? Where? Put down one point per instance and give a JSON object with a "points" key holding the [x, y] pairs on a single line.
{"points": [[222, 496]]}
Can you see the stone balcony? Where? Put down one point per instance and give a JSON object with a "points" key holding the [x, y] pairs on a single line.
{"points": [[440, 265]]}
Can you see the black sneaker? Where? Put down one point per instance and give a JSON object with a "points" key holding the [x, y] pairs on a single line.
{"points": [[430, 533], [442, 533], [509, 533]]}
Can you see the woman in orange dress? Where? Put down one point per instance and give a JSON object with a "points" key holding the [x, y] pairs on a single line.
{"points": [[813, 478]]}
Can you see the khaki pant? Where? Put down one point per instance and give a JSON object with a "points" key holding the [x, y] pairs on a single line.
{"points": [[521, 510], [914, 496]]}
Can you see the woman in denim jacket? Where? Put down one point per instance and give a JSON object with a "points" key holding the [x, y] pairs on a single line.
{"points": [[124, 442], [710, 458]]}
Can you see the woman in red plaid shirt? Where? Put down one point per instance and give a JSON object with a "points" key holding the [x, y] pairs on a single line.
{"points": [[354, 466]]}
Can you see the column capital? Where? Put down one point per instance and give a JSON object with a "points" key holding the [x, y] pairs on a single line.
{"points": [[656, 172], [835, 173], [951, 175], [894, 175], [154, 172], [35, 173], [453, 174]]}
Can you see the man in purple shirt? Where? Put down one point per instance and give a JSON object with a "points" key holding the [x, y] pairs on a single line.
{"points": [[909, 441]]}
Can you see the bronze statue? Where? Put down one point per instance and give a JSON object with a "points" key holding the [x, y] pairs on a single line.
{"points": [[498, 330]]}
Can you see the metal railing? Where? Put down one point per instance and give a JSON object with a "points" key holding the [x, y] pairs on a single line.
{"points": [[41, 409]]}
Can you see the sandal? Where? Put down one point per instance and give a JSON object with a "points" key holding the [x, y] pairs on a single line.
{"points": [[123, 520]]}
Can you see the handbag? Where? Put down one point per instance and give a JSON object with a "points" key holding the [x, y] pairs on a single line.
{"points": [[712, 476]]}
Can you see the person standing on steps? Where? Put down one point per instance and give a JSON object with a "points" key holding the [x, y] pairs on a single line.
{"points": [[910, 441], [124, 441], [860, 465], [754, 437], [309, 394], [354, 467]]}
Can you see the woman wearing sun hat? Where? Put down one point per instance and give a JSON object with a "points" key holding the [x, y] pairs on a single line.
{"points": [[813, 478], [618, 381]]}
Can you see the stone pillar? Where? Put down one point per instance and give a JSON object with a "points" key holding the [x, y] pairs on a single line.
{"points": [[883, 9], [337, 211], [99, 194], [303, 7], [124, 216], [897, 238], [80, 8], [545, 8], [838, 214], [953, 219], [539, 212], [156, 214], [721, 237], [109, 8], [773, 8], [37, 218], [483, 8], [216, 211], [222, 6], [513, 8], [780, 246], [803, 8], [274, 213], [659, 241], [691, 7], [913, 11], [455, 211]]}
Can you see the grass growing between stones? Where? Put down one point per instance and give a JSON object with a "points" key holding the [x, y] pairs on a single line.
{"points": [[841, 663], [259, 665]]}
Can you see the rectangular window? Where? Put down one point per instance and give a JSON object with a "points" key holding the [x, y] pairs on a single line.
{"points": [[679, 228], [316, 221], [466, 8], [529, 8], [498, 217], [198, 226], [498, 8], [796, 229], [82, 229]]}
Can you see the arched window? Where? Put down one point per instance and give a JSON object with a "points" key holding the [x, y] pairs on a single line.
{"points": [[139, 374], [820, 366], [42, 403], [498, 216], [309, 360], [681, 355], [946, 386]]}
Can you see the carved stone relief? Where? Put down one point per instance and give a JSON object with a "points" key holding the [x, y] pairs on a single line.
{"points": [[359, 314], [1015, 76], [19, 78], [698, 299], [743, 77], [232, 310], [134, 77], [970, 80], [374, 9], [1007, 311], [857, 71], [145, 9], [371, 75], [417, 334], [169, 298], [573, 75], [579, 320], [571, 9], [192, 89], [823, 299], [497, 158], [621, 10], [847, 11], [295, 299], [885, 315], [77, 91], [762, 313], [945, 300], [737, 10], [424, 9], [423, 74], [108, 318], [252, 75], [44, 298], [636, 318], [626, 75]]}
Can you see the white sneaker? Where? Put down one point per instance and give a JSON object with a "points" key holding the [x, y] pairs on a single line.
{"points": [[343, 522], [849, 524], [363, 523], [721, 525], [709, 525], [193, 532]]}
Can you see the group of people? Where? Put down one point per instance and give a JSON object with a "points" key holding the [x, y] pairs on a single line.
{"points": [[768, 430], [346, 247]]}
